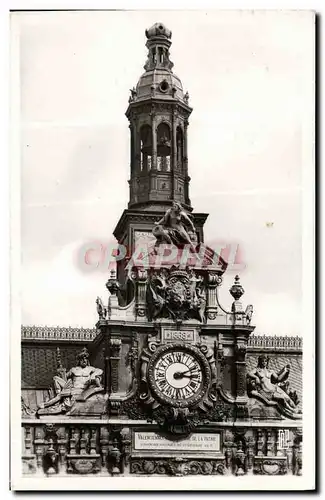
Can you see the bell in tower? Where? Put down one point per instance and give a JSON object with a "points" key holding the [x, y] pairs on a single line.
{"points": [[163, 147]]}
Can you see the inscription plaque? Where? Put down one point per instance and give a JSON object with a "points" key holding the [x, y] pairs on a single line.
{"points": [[196, 442], [178, 335]]}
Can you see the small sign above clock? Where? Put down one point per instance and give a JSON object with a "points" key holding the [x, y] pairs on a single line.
{"points": [[178, 335]]}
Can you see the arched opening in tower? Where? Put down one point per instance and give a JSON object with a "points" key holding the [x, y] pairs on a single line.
{"points": [[146, 148], [161, 54], [163, 147]]}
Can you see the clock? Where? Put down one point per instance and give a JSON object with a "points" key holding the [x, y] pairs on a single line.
{"points": [[179, 375]]}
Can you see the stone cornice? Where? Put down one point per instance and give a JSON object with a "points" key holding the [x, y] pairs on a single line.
{"points": [[148, 216], [66, 334], [274, 343], [58, 333]]}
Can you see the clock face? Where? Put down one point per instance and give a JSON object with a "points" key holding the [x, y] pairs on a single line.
{"points": [[179, 375]]}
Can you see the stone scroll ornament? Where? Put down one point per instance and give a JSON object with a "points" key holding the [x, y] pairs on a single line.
{"points": [[273, 388], [78, 384], [177, 295]]}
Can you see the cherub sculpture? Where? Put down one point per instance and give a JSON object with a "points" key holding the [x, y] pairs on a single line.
{"points": [[249, 314], [101, 309], [133, 95]]}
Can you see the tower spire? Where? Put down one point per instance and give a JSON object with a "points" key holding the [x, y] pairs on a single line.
{"points": [[158, 113]]}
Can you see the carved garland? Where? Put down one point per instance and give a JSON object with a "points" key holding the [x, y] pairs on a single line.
{"points": [[177, 466]]}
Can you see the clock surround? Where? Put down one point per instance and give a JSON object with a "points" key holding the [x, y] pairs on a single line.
{"points": [[169, 354]]}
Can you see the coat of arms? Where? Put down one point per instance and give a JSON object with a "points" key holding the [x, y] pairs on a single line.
{"points": [[179, 295]]}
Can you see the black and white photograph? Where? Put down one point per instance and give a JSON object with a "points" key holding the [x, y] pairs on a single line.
{"points": [[162, 247]]}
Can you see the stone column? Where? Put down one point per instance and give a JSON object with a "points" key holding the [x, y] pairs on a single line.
{"points": [[93, 440], [103, 442], [131, 127], [137, 145], [174, 145], [212, 305], [260, 442], [185, 166], [62, 445], [250, 443], [270, 443], [154, 140], [133, 173], [240, 363], [115, 349], [228, 449], [173, 155], [141, 289], [185, 154], [297, 452]]}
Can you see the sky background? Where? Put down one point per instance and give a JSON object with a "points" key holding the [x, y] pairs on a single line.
{"points": [[250, 80]]}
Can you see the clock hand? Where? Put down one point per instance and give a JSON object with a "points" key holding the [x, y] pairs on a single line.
{"points": [[179, 375], [189, 370]]}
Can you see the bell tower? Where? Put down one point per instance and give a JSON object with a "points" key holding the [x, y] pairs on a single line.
{"points": [[158, 113]]}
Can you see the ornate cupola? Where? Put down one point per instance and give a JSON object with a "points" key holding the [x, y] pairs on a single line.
{"points": [[158, 113]]}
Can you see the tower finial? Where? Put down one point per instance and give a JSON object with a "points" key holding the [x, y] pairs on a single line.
{"points": [[158, 30], [237, 290], [158, 43]]}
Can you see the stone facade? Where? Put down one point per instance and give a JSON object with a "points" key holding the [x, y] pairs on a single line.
{"points": [[169, 382]]}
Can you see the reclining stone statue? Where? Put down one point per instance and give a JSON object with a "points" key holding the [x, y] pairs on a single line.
{"points": [[267, 385], [78, 384]]}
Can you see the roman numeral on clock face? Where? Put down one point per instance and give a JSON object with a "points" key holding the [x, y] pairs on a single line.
{"points": [[162, 384]]}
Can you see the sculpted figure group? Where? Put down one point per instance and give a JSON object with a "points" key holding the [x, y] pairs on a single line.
{"points": [[79, 383], [181, 296], [177, 295], [172, 228]]}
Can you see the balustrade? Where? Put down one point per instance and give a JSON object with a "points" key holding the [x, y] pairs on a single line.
{"points": [[274, 342], [88, 448]]}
